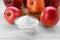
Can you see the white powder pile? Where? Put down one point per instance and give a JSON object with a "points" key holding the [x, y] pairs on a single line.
{"points": [[27, 24]]}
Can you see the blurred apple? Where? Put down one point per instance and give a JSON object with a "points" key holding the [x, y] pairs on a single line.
{"points": [[35, 6], [49, 17], [11, 13], [54, 3], [13, 3]]}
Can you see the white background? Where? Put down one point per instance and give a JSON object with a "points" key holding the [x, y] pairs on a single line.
{"points": [[10, 32]]}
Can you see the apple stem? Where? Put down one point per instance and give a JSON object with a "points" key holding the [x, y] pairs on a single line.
{"points": [[9, 14], [31, 3]]}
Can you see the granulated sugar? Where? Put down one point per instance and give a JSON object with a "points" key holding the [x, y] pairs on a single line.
{"points": [[27, 24]]}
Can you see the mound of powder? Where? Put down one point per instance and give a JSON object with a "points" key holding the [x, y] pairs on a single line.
{"points": [[27, 24]]}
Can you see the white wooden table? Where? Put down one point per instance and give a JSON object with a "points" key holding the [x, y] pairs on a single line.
{"points": [[9, 32]]}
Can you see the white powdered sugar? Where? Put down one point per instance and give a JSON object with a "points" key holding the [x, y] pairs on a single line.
{"points": [[27, 24]]}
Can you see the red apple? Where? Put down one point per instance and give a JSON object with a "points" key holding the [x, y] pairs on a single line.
{"points": [[35, 6], [11, 13], [49, 17], [13, 3], [54, 3]]}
